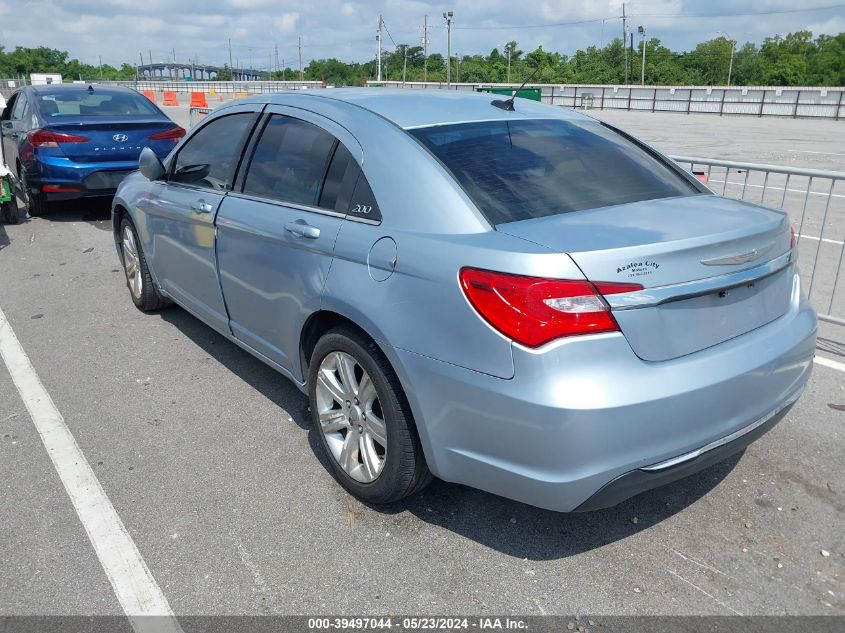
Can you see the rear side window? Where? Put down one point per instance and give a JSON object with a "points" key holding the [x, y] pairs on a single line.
{"points": [[210, 157], [290, 161], [20, 106], [516, 170], [67, 103], [346, 190]]}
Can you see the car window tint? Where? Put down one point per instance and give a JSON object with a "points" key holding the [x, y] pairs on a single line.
{"points": [[340, 181], [210, 157], [20, 106], [93, 103], [290, 160], [515, 170]]}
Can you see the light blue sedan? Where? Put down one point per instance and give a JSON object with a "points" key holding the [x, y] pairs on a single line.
{"points": [[499, 293]]}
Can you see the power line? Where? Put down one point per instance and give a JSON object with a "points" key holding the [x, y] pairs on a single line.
{"points": [[652, 15]]}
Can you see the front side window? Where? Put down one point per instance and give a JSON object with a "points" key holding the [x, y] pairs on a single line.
{"points": [[210, 157], [290, 161], [516, 170]]}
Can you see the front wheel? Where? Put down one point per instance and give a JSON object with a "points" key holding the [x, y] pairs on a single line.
{"points": [[363, 420], [144, 294]]}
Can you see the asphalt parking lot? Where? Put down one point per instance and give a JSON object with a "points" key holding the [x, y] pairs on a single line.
{"points": [[208, 458]]}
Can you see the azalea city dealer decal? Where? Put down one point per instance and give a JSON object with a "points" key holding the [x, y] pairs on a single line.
{"points": [[638, 269]]}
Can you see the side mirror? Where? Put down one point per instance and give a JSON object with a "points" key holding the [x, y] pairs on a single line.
{"points": [[150, 165]]}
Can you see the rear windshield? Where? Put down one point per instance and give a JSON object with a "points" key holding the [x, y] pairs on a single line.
{"points": [[516, 170], [84, 103]]}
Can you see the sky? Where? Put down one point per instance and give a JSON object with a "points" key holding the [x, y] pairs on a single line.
{"points": [[121, 30]]}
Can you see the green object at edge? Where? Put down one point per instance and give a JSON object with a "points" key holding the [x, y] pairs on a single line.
{"points": [[525, 93], [5, 190]]}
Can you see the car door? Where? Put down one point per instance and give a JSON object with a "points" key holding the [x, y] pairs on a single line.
{"points": [[182, 208], [13, 126], [276, 235]]}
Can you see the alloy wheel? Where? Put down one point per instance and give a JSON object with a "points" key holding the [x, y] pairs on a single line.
{"points": [[132, 263], [351, 417]]}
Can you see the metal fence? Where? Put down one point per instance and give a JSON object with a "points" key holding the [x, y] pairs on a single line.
{"points": [[815, 202], [197, 114], [779, 101]]}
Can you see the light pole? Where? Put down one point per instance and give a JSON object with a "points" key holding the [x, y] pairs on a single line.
{"points": [[378, 41], [641, 30], [447, 15], [508, 49], [731, 62]]}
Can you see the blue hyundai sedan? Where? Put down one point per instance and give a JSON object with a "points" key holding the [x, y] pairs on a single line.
{"points": [[79, 140], [508, 295]]}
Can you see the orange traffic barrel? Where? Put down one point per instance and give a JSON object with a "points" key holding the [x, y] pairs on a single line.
{"points": [[198, 100], [170, 98], [149, 94]]}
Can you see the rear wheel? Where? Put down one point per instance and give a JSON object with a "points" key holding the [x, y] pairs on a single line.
{"points": [[144, 294], [35, 202], [363, 420], [10, 211]]}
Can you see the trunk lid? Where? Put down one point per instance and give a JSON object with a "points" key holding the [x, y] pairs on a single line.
{"points": [[112, 139], [693, 250]]}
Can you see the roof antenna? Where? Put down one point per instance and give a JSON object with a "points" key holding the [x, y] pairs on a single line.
{"points": [[507, 104], [90, 88]]}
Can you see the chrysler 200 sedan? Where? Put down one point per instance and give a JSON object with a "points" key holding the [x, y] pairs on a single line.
{"points": [[503, 294]]}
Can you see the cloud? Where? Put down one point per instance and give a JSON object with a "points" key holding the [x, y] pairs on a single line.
{"points": [[121, 29]]}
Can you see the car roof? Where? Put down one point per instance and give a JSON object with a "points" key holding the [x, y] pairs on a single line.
{"points": [[411, 108]]}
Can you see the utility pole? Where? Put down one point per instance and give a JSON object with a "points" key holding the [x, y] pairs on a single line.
{"points": [[301, 76], [731, 63], [101, 66], [625, 40], [378, 48], [404, 63], [276, 46], [425, 48], [231, 67], [141, 72], [457, 68], [642, 76], [447, 15], [508, 49]]}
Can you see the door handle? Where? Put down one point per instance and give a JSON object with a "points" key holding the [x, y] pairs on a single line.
{"points": [[201, 206], [303, 229]]}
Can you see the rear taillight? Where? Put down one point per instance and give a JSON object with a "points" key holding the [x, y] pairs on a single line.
{"points": [[533, 310], [173, 134], [48, 138], [793, 239]]}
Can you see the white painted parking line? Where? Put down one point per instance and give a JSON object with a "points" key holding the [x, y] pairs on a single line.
{"points": [[809, 151], [774, 188], [133, 584], [816, 239], [826, 362]]}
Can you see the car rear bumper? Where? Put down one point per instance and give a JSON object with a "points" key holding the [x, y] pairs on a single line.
{"points": [[582, 413], [62, 179]]}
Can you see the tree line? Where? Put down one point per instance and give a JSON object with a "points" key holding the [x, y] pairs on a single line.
{"points": [[796, 59]]}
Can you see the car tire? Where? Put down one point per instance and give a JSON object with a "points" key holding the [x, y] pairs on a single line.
{"points": [[403, 470], [35, 202], [142, 290], [11, 213]]}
